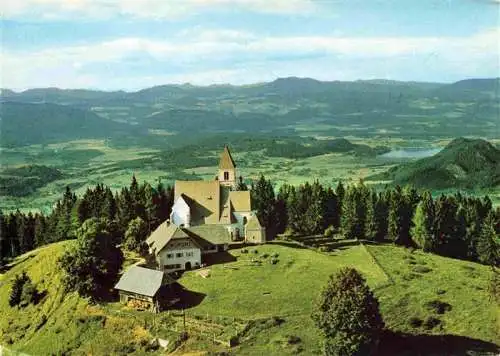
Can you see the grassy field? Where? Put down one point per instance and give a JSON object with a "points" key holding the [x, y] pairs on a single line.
{"points": [[272, 302]]}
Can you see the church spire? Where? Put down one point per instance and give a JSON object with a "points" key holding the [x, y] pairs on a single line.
{"points": [[227, 169], [226, 161]]}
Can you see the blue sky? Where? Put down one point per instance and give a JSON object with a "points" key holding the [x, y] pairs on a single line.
{"points": [[132, 44]]}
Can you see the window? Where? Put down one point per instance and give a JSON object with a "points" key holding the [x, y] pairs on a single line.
{"points": [[189, 254], [179, 254], [172, 266], [226, 175], [170, 255]]}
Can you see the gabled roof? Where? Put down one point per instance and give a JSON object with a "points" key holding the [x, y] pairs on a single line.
{"points": [[142, 281], [254, 223], [203, 198], [163, 234], [226, 161], [240, 200], [213, 234]]}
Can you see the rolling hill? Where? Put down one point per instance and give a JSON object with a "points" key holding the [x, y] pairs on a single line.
{"points": [[463, 163], [271, 302], [27, 124], [302, 106]]}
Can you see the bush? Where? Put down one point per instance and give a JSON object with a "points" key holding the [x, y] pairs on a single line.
{"points": [[255, 251], [421, 269], [265, 255], [348, 314], [292, 339], [415, 322], [28, 295], [274, 261], [23, 291], [438, 306], [244, 250], [431, 322], [329, 231], [275, 255]]}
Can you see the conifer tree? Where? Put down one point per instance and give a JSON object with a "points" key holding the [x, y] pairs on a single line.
{"points": [[339, 192], [396, 206], [263, 202], [349, 217], [488, 245], [422, 231], [371, 225]]}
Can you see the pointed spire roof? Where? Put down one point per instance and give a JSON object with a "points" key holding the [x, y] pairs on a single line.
{"points": [[226, 161]]}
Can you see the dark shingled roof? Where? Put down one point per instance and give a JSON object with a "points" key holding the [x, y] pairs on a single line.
{"points": [[143, 281]]}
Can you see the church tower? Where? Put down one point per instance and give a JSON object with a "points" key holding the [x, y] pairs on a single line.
{"points": [[227, 169]]}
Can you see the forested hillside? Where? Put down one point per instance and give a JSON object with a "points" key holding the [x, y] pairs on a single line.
{"points": [[463, 163]]}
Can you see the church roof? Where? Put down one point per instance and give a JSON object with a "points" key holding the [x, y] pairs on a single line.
{"points": [[226, 161], [240, 200], [163, 234], [203, 198]]}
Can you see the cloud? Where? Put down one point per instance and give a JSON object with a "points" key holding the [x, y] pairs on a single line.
{"points": [[221, 56], [40, 10]]}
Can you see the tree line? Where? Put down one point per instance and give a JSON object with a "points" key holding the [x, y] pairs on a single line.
{"points": [[21, 232], [455, 225]]}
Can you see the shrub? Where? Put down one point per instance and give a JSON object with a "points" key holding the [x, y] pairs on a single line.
{"points": [[274, 261], [255, 251], [23, 292], [274, 321], [431, 322], [244, 250], [265, 255], [329, 231], [292, 339], [421, 269], [348, 314], [415, 322], [438, 306], [275, 255], [28, 294]]}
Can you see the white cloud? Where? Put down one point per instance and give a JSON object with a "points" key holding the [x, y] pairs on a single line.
{"points": [[151, 9], [207, 56]]}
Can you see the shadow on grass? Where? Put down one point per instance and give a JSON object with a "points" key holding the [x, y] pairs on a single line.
{"points": [[408, 345], [218, 258], [188, 298], [11, 264], [289, 244]]}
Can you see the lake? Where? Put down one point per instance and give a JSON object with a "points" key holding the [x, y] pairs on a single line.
{"points": [[411, 152]]}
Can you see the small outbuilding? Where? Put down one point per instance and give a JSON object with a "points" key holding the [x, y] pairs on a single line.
{"points": [[144, 287], [254, 231]]}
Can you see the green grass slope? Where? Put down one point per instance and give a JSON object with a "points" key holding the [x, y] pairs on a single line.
{"points": [[274, 301], [463, 163]]}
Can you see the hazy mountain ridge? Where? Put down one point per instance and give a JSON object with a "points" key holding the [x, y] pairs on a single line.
{"points": [[334, 108]]}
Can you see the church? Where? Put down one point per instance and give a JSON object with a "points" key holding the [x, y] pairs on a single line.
{"points": [[207, 217]]}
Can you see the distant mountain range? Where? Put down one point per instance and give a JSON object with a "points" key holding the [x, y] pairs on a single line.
{"points": [[280, 107], [463, 163]]}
